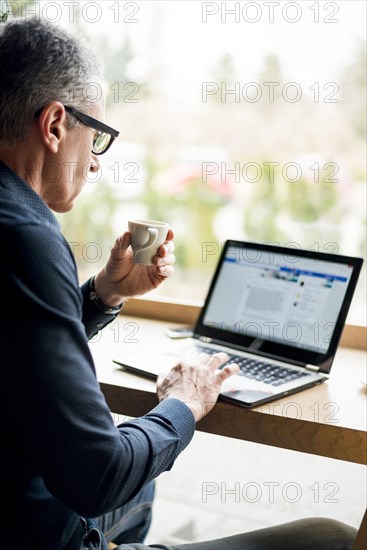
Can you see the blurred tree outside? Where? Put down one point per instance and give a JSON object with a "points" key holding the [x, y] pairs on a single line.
{"points": [[189, 205], [353, 91]]}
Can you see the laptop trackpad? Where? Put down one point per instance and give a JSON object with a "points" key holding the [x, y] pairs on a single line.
{"points": [[247, 396]]}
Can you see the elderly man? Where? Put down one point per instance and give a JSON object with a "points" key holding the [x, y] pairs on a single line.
{"points": [[72, 479]]}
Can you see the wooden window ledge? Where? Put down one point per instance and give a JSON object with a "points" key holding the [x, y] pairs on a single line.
{"points": [[186, 312]]}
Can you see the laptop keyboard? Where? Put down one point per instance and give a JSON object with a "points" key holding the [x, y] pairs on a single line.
{"points": [[266, 372]]}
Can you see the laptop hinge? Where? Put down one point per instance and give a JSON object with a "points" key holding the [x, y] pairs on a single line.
{"points": [[314, 368]]}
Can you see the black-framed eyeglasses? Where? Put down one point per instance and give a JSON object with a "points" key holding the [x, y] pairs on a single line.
{"points": [[105, 134]]}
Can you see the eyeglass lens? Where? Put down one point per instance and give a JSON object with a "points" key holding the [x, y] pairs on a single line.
{"points": [[101, 142]]}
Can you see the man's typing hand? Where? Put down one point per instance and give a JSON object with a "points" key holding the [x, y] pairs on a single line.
{"points": [[198, 383]]}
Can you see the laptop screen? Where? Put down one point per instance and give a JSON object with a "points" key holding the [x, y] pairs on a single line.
{"points": [[281, 300]]}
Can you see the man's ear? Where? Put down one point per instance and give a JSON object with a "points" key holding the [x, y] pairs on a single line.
{"points": [[52, 125]]}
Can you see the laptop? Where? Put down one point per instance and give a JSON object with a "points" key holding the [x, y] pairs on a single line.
{"points": [[278, 312]]}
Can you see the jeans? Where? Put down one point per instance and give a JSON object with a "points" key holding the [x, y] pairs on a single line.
{"points": [[128, 526]]}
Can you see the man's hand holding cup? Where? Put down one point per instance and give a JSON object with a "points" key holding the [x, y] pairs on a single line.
{"points": [[140, 260]]}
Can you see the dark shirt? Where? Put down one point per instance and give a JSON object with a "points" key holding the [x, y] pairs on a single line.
{"points": [[64, 456]]}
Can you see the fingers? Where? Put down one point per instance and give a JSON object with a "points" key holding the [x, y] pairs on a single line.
{"points": [[166, 249], [170, 234], [123, 241], [126, 239], [166, 271], [121, 245], [203, 358], [168, 246], [196, 383], [215, 361], [227, 371], [167, 260]]}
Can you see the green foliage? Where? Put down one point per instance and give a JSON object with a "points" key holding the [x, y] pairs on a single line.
{"points": [[4, 16], [301, 201], [353, 91], [191, 208], [309, 202], [261, 210]]}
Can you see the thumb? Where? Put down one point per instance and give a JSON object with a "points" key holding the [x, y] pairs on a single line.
{"points": [[121, 245]]}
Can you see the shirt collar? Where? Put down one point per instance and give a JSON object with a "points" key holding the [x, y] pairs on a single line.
{"points": [[25, 194]]}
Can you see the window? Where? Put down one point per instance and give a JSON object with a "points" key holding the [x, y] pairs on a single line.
{"points": [[237, 120]]}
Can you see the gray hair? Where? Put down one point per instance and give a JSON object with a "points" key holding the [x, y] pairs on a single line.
{"points": [[40, 63]]}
